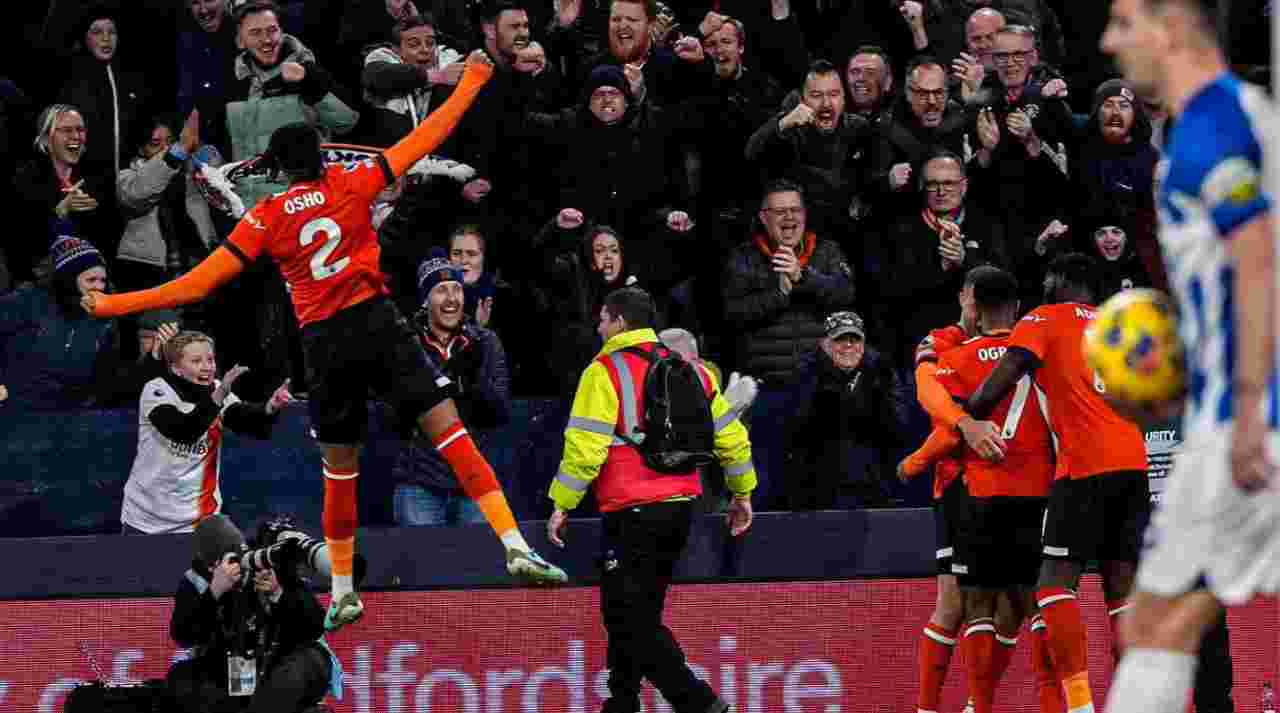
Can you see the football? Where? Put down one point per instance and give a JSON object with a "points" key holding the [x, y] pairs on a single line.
{"points": [[1134, 349]]}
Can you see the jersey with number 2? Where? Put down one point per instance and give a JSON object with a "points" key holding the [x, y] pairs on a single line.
{"points": [[321, 235]]}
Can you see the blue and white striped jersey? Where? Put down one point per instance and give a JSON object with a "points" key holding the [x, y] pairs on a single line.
{"points": [[1211, 182]]}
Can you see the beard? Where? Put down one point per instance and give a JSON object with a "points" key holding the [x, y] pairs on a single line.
{"points": [[638, 47]]}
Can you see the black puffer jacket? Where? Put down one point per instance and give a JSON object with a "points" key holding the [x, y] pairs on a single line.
{"points": [[775, 329]]}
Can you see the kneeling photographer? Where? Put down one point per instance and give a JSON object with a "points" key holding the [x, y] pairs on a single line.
{"points": [[255, 630]]}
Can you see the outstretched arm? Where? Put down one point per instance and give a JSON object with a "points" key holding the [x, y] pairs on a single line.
{"points": [[213, 272], [440, 123]]}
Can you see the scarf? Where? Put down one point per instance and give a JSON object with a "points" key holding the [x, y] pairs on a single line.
{"points": [[944, 227], [807, 246]]}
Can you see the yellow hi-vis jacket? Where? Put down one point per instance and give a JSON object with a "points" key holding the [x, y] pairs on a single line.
{"points": [[592, 448]]}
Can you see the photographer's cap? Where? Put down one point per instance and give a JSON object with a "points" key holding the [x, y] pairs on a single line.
{"points": [[215, 536], [842, 323]]}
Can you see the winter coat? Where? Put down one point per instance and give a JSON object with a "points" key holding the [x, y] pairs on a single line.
{"points": [[830, 167], [55, 356], [902, 139], [206, 64], [915, 293], [38, 192], [260, 101], [477, 363], [776, 329], [398, 94], [211, 626], [142, 187], [841, 429], [623, 175], [100, 90]]}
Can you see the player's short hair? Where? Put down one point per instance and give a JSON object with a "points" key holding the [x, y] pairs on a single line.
{"points": [[994, 288], [412, 22], [294, 150], [1077, 270], [173, 348], [977, 273], [633, 305], [46, 121], [650, 7]]}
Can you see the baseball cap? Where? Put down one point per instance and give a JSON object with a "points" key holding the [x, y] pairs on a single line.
{"points": [[842, 323]]}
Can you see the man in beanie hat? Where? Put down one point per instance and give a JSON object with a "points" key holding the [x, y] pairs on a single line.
{"points": [[426, 491], [258, 634], [1115, 171], [320, 234], [52, 356]]}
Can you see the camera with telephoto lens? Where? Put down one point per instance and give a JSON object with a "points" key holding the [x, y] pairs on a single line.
{"points": [[281, 547]]}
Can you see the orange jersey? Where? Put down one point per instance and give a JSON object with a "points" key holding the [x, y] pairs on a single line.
{"points": [[321, 235], [1090, 436], [937, 342], [1028, 465]]}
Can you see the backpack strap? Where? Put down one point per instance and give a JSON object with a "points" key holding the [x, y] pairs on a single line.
{"points": [[627, 397]]}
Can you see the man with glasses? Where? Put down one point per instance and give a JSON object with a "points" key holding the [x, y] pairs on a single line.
{"points": [[826, 150], [1020, 155], [926, 120], [927, 253], [780, 285]]}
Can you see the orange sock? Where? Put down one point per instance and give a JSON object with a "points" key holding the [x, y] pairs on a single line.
{"points": [[1115, 609], [340, 520], [477, 479], [1068, 642], [979, 646], [1048, 688], [936, 646]]}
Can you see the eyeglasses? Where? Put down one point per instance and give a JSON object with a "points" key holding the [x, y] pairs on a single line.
{"points": [[783, 212], [942, 186], [1010, 57], [939, 94]]}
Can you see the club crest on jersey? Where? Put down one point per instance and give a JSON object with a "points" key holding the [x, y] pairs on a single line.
{"points": [[1235, 181], [311, 199]]}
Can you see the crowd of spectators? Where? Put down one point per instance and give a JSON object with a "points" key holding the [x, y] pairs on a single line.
{"points": [[757, 166]]}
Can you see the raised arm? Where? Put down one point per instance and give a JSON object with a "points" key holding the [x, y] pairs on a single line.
{"points": [[432, 132]]}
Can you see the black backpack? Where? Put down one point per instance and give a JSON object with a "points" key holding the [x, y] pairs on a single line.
{"points": [[676, 432]]}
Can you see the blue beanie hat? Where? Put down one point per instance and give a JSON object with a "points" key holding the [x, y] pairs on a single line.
{"points": [[434, 270], [71, 255]]}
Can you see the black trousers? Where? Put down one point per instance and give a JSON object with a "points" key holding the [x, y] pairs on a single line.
{"points": [[298, 681], [1214, 676], [641, 547]]}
